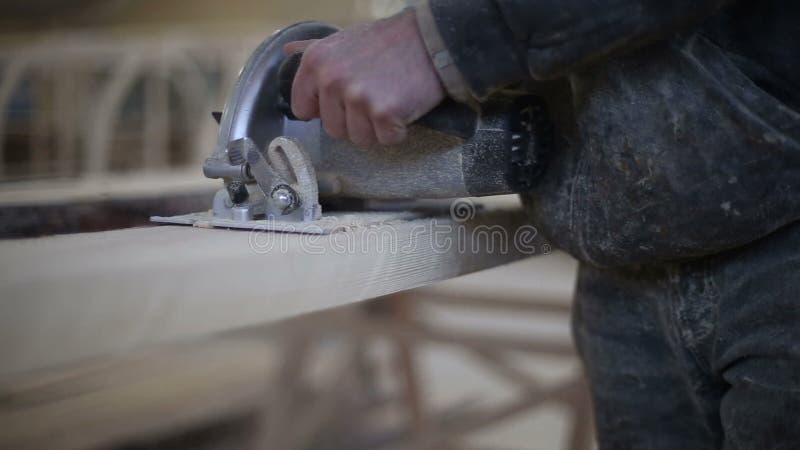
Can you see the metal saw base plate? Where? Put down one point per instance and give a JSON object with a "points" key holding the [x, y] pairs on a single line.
{"points": [[329, 224]]}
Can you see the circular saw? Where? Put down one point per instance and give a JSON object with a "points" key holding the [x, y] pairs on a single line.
{"points": [[278, 172]]}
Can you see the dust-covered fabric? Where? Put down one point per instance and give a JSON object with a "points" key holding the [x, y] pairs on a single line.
{"points": [[696, 355]]}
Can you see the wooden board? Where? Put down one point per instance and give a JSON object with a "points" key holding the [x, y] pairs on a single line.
{"points": [[70, 297]]}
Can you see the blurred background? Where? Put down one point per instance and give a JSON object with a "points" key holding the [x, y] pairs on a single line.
{"points": [[105, 119], [91, 87]]}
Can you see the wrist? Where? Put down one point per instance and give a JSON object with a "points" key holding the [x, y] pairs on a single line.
{"points": [[446, 69], [480, 45]]}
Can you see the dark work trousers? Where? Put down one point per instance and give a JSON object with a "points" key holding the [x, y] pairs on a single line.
{"points": [[702, 354]]}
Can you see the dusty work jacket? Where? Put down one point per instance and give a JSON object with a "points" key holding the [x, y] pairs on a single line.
{"points": [[678, 132]]}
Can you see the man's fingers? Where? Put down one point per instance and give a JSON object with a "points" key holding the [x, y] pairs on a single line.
{"points": [[332, 113], [305, 87], [390, 134], [359, 125], [305, 97], [305, 92], [297, 46], [389, 129]]}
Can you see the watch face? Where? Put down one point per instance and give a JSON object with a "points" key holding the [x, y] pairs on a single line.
{"points": [[380, 8]]}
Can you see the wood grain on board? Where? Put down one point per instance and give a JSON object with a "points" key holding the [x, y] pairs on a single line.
{"points": [[71, 297]]}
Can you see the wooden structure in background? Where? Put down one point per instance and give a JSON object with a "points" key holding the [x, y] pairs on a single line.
{"points": [[76, 106], [134, 87], [261, 393]]}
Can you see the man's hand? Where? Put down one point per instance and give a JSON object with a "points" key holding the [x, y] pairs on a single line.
{"points": [[367, 83]]}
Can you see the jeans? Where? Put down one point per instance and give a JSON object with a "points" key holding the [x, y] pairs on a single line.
{"points": [[701, 354]]}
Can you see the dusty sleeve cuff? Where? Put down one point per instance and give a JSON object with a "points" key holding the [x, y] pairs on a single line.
{"points": [[471, 46], [448, 72]]}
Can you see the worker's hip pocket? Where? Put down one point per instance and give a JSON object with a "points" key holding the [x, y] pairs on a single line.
{"points": [[678, 154]]}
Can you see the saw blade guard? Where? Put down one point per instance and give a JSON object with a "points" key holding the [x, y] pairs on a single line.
{"points": [[252, 110], [253, 120]]}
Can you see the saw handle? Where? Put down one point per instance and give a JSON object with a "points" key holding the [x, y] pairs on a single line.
{"points": [[450, 117]]}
